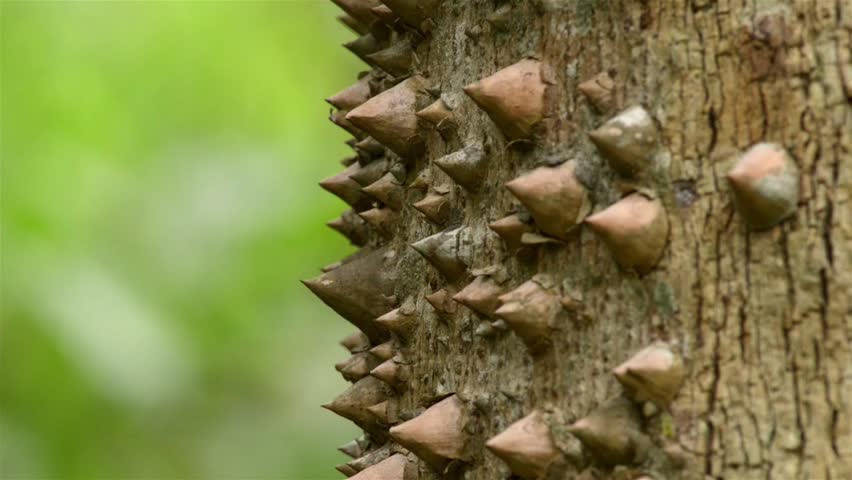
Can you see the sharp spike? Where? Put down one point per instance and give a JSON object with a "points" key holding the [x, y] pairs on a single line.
{"points": [[385, 14], [364, 175], [371, 458], [363, 46], [513, 97], [398, 322], [466, 167], [359, 9], [351, 96], [380, 412], [599, 90], [365, 441], [392, 373], [351, 226], [389, 117], [352, 449], [446, 251], [357, 366], [628, 141], [655, 373], [353, 24], [346, 469], [359, 290], [530, 311], [383, 351], [612, 433], [356, 342], [441, 302], [765, 182], [387, 190], [534, 239], [511, 229], [635, 229], [481, 295], [395, 60], [435, 207], [382, 219], [437, 435], [348, 190], [370, 147], [437, 113], [422, 181], [352, 404], [339, 118], [414, 12], [395, 467], [554, 196], [527, 447]]}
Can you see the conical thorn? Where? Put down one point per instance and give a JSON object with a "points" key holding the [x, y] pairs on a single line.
{"points": [[512, 97], [467, 166], [554, 197], [390, 118], [635, 229], [527, 447], [437, 435], [765, 182]]}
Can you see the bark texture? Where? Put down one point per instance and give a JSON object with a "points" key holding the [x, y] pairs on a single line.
{"points": [[762, 319]]}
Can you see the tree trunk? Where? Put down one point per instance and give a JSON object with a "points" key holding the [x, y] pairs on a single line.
{"points": [[754, 302]]}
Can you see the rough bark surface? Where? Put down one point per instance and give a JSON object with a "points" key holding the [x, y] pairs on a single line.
{"points": [[763, 320]]}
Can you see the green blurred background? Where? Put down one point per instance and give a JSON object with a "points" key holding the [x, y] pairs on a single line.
{"points": [[159, 204]]}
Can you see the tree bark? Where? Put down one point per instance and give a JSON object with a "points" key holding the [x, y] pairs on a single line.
{"points": [[762, 319]]}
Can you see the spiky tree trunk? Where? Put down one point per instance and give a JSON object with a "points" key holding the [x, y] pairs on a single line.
{"points": [[601, 239]]}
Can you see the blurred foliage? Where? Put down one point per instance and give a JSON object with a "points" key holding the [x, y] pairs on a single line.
{"points": [[159, 203]]}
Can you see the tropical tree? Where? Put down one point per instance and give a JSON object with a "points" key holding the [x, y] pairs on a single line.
{"points": [[598, 239]]}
